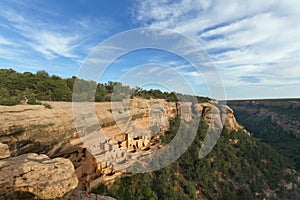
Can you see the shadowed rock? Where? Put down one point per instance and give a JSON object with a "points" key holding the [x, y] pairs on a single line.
{"points": [[4, 151]]}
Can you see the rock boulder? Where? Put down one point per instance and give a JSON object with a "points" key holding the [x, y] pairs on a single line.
{"points": [[37, 176]]}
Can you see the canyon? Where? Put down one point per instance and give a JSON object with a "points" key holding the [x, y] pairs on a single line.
{"points": [[275, 122]]}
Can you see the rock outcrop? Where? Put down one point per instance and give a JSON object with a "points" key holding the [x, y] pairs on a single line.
{"points": [[33, 175], [4, 151], [131, 128], [230, 121], [217, 116]]}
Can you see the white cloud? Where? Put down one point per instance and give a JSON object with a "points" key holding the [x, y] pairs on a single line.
{"points": [[50, 40], [245, 38], [4, 41], [53, 44]]}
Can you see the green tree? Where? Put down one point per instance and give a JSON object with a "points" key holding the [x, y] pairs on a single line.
{"points": [[6, 99]]}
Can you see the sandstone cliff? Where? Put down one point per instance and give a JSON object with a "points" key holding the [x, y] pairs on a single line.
{"points": [[37, 129]]}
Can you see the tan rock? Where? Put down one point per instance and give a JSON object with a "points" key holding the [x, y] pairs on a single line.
{"points": [[35, 174], [86, 167], [198, 108], [211, 115], [186, 111], [128, 126], [230, 121], [4, 151]]}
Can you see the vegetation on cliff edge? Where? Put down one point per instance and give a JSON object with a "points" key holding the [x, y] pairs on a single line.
{"points": [[245, 169], [27, 87], [259, 119]]}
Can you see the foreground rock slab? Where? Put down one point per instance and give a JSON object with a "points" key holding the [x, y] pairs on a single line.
{"points": [[36, 176], [4, 151]]}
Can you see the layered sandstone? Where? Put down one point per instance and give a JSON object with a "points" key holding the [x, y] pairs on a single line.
{"points": [[124, 130]]}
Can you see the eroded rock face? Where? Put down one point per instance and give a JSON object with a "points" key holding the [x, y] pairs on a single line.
{"points": [[217, 116], [4, 151], [36, 175], [52, 131], [230, 121], [86, 167], [211, 114]]}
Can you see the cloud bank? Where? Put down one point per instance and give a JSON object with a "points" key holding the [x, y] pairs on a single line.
{"points": [[253, 43]]}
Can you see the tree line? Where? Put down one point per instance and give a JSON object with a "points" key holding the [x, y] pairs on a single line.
{"points": [[30, 88]]}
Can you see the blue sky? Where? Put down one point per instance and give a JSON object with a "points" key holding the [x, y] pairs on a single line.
{"points": [[254, 44]]}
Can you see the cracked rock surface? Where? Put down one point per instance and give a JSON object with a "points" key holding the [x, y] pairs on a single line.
{"points": [[33, 175]]}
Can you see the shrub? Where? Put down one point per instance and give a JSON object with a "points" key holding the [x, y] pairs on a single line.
{"points": [[33, 101], [47, 105]]}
